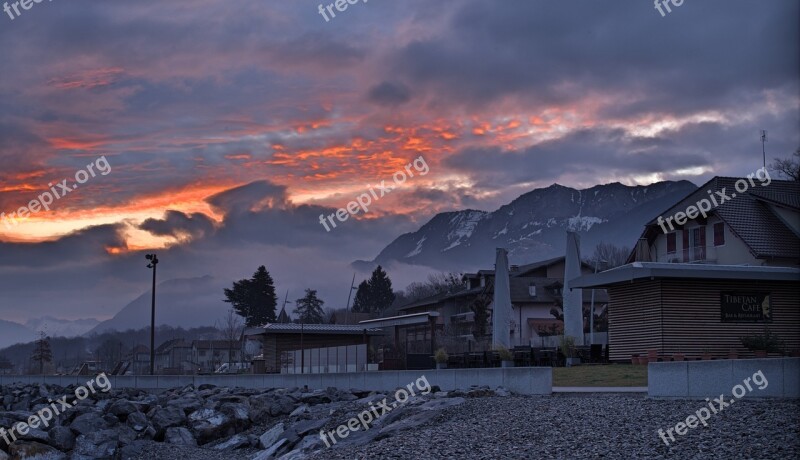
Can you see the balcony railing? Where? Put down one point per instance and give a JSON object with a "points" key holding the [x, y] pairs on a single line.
{"points": [[707, 254]]}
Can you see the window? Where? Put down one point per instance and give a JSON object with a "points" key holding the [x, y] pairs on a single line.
{"points": [[697, 243], [719, 234], [532, 290], [672, 243]]}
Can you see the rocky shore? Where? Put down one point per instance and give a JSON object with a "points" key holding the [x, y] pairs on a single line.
{"points": [[233, 423]]}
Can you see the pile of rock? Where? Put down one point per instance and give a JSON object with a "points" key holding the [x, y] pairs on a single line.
{"points": [[271, 423]]}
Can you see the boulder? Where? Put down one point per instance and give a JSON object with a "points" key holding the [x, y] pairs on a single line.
{"points": [[88, 423], [269, 438], [271, 452], [235, 442], [180, 436], [137, 421], [99, 444], [61, 438], [167, 417], [209, 424], [121, 408], [24, 450]]}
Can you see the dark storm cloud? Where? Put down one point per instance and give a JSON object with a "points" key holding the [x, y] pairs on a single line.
{"points": [[389, 94], [699, 56], [178, 224], [83, 246]]}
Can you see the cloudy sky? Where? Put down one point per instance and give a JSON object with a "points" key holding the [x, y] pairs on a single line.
{"points": [[230, 126]]}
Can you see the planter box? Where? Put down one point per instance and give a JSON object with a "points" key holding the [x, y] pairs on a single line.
{"points": [[441, 365], [506, 363], [572, 362]]}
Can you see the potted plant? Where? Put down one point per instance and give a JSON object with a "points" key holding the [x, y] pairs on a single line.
{"points": [[706, 354], [568, 350], [635, 358], [762, 344], [506, 357], [678, 356], [441, 358], [652, 356], [733, 354]]}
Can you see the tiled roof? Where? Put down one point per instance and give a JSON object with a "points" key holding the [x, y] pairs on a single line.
{"points": [[749, 216]]}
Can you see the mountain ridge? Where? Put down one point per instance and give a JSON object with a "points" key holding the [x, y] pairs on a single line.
{"points": [[532, 225]]}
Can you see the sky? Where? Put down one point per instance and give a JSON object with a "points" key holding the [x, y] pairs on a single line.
{"points": [[228, 128]]}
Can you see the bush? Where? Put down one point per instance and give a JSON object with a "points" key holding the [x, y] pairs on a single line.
{"points": [[568, 346], [440, 356], [767, 341], [503, 353]]}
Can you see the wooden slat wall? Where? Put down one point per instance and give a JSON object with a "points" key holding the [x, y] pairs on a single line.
{"points": [[691, 317], [684, 315], [634, 319]]}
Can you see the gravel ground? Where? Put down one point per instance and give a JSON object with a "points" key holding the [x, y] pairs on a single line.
{"points": [[570, 427]]}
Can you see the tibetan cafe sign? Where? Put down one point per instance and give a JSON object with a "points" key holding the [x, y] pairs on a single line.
{"points": [[745, 306]]}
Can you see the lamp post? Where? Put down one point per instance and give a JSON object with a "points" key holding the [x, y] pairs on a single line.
{"points": [[153, 262], [591, 308]]}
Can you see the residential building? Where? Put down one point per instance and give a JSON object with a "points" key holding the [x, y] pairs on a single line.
{"points": [[208, 355], [698, 288], [536, 298]]}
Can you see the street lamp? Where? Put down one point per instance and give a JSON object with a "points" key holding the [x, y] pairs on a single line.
{"points": [[153, 262], [591, 308]]}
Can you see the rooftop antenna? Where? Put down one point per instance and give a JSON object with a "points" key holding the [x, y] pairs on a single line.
{"points": [[763, 150]]}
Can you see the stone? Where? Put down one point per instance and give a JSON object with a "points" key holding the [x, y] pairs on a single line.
{"points": [[209, 424], [167, 417], [99, 444], [61, 438], [413, 421], [137, 421], [24, 450], [235, 442], [305, 426], [299, 411], [271, 436], [179, 436], [88, 423], [270, 453], [121, 408]]}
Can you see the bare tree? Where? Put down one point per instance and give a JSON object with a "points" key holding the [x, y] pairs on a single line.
{"points": [[436, 283], [788, 167], [231, 328], [607, 256]]}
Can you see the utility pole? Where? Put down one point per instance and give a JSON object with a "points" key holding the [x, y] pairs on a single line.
{"points": [[153, 262], [349, 294]]}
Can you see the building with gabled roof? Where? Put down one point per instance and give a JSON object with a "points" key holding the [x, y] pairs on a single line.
{"points": [[697, 283]]}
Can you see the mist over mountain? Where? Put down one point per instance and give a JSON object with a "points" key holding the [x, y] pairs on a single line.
{"points": [[11, 333], [533, 225], [188, 303]]}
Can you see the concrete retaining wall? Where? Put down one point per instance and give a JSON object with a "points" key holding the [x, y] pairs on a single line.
{"points": [[522, 380], [709, 379]]}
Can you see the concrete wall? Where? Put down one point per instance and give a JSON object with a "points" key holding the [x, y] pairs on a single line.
{"points": [[522, 380], [709, 379]]}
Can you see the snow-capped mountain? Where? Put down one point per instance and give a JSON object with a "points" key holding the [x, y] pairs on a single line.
{"points": [[533, 226], [55, 327]]}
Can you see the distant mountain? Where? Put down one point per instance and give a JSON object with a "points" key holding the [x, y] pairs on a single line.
{"points": [[187, 303], [12, 333], [55, 327], [533, 226]]}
